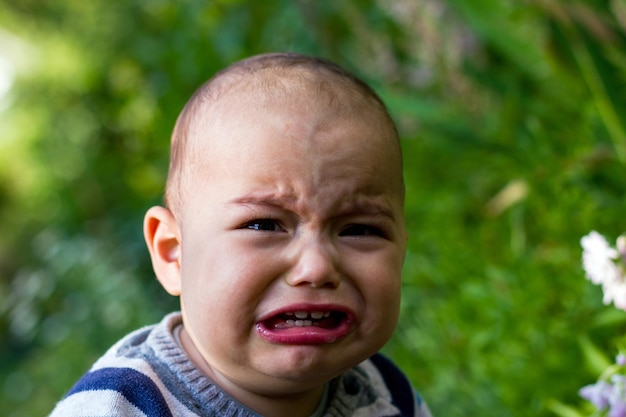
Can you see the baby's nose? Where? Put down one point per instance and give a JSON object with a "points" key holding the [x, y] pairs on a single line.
{"points": [[315, 265]]}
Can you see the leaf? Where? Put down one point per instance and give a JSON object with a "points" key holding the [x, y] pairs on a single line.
{"points": [[596, 360], [562, 410]]}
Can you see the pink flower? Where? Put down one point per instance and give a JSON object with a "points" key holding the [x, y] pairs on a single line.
{"points": [[598, 393], [615, 291], [604, 265], [598, 258], [617, 397]]}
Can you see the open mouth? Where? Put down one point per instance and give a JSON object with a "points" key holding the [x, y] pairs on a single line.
{"points": [[323, 319], [304, 326]]}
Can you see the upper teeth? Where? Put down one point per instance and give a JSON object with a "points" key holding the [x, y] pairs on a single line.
{"points": [[301, 319], [305, 314]]}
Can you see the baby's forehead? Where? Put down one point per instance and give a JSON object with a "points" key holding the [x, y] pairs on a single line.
{"points": [[299, 98], [286, 119], [234, 97]]}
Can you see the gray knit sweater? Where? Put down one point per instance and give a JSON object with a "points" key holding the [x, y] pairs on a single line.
{"points": [[147, 374]]}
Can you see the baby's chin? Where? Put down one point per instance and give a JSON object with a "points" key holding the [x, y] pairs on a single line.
{"points": [[310, 365]]}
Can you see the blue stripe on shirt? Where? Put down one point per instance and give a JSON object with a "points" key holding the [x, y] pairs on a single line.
{"points": [[402, 393], [136, 387]]}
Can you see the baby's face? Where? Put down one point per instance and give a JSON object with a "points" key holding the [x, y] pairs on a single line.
{"points": [[293, 241]]}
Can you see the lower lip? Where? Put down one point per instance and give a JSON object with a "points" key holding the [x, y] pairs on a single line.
{"points": [[308, 335]]}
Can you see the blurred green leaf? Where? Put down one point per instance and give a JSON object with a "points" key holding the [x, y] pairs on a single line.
{"points": [[596, 360]]}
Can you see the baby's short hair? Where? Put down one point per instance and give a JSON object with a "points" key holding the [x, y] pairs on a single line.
{"points": [[264, 75]]}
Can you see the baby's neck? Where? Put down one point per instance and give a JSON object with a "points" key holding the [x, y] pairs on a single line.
{"points": [[294, 405]]}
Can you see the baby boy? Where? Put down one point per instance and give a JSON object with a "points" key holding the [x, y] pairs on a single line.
{"points": [[284, 238]]}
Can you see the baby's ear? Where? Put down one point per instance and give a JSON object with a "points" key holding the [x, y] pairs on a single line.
{"points": [[162, 235]]}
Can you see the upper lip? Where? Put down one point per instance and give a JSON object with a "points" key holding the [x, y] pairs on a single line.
{"points": [[309, 308]]}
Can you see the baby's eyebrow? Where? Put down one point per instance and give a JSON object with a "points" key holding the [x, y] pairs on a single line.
{"points": [[270, 200], [369, 208], [362, 205]]}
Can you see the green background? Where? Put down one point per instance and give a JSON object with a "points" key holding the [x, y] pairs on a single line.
{"points": [[513, 120]]}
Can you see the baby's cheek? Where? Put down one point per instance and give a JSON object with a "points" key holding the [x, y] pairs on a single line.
{"points": [[386, 298]]}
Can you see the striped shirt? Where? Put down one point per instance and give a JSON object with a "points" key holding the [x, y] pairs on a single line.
{"points": [[147, 374]]}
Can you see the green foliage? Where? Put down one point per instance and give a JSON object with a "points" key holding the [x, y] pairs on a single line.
{"points": [[513, 121]]}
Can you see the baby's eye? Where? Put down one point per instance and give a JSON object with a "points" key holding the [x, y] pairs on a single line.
{"points": [[362, 230], [266, 225]]}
